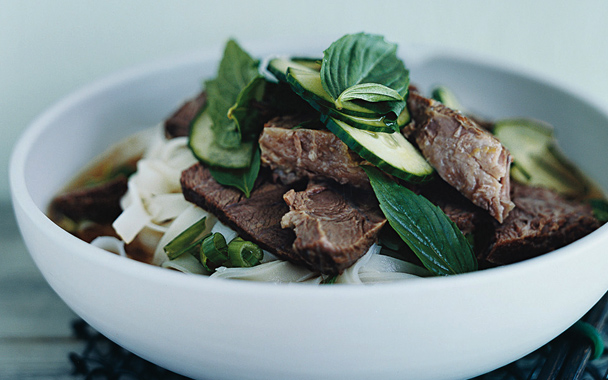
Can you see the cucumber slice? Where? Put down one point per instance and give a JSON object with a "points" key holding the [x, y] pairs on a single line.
{"points": [[447, 97], [375, 124], [537, 158], [307, 84], [390, 152], [203, 146], [278, 66]]}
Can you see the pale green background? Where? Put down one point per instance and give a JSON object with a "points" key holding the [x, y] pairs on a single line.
{"points": [[50, 48]]}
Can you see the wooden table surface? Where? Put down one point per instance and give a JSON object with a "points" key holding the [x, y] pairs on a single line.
{"points": [[35, 325]]}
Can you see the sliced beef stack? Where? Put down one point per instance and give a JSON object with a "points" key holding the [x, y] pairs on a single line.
{"points": [[314, 206], [332, 229], [312, 203], [257, 218]]}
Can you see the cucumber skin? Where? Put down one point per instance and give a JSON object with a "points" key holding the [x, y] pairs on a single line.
{"points": [[371, 157], [200, 142], [325, 107], [278, 66], [401, 122], [324, 100]]}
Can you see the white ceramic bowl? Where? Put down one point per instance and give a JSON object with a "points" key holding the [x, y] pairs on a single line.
{"points": [[438, 328]]}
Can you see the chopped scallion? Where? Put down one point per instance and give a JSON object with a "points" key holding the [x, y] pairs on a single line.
{"points": [[244, 253], [214, 251], [187, 241]]}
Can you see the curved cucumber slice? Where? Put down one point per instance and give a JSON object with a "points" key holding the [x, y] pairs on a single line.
{"points": [[537, 158], [447, 97], [278, 66], [307, 84], [390, 152], [373, 124], [204, 148]]}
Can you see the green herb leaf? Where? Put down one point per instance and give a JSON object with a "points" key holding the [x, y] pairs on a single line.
{"points": [[245, 116], [242, 179], [431, 235], [357, 59], [226, 132], [600, 209], [373, 93], [230, 93]]}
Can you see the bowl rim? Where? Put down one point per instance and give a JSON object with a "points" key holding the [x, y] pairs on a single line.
{"points": [[21, 197]]}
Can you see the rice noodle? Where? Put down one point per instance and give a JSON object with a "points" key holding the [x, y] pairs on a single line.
{"points": [[111, 244], [370, 269], [154, 189], [277, 271], [185, 263]]}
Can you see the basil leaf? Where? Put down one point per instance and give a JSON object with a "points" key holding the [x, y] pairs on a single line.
{"points": [[235, 86], [370, 92], [425, 228], [362, 58], [373, 93], [242, 179]]}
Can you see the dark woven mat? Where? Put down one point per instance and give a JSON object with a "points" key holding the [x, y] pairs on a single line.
{"points": [[568, 357]]}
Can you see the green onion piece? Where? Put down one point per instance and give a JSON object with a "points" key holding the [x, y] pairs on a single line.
{"points": [[187, 240], [214, 251], [329, 280], [243, 253], [600, 209]]}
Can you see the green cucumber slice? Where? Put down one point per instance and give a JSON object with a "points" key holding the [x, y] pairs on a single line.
{"points": [[537, 158], [390, 152], [278, 66], [307, 84], [447, 98], [373, 124], [204, 148]]}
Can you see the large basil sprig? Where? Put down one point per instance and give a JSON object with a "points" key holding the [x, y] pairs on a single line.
{"points": [[238, 82], [365, 68], [235, 123], [425, 228]]}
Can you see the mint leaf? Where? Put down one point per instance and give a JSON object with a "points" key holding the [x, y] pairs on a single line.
{"points": [[242, 179], [425, 228], [357, 59], [225, 130], [244, 116], [235, 86]]}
